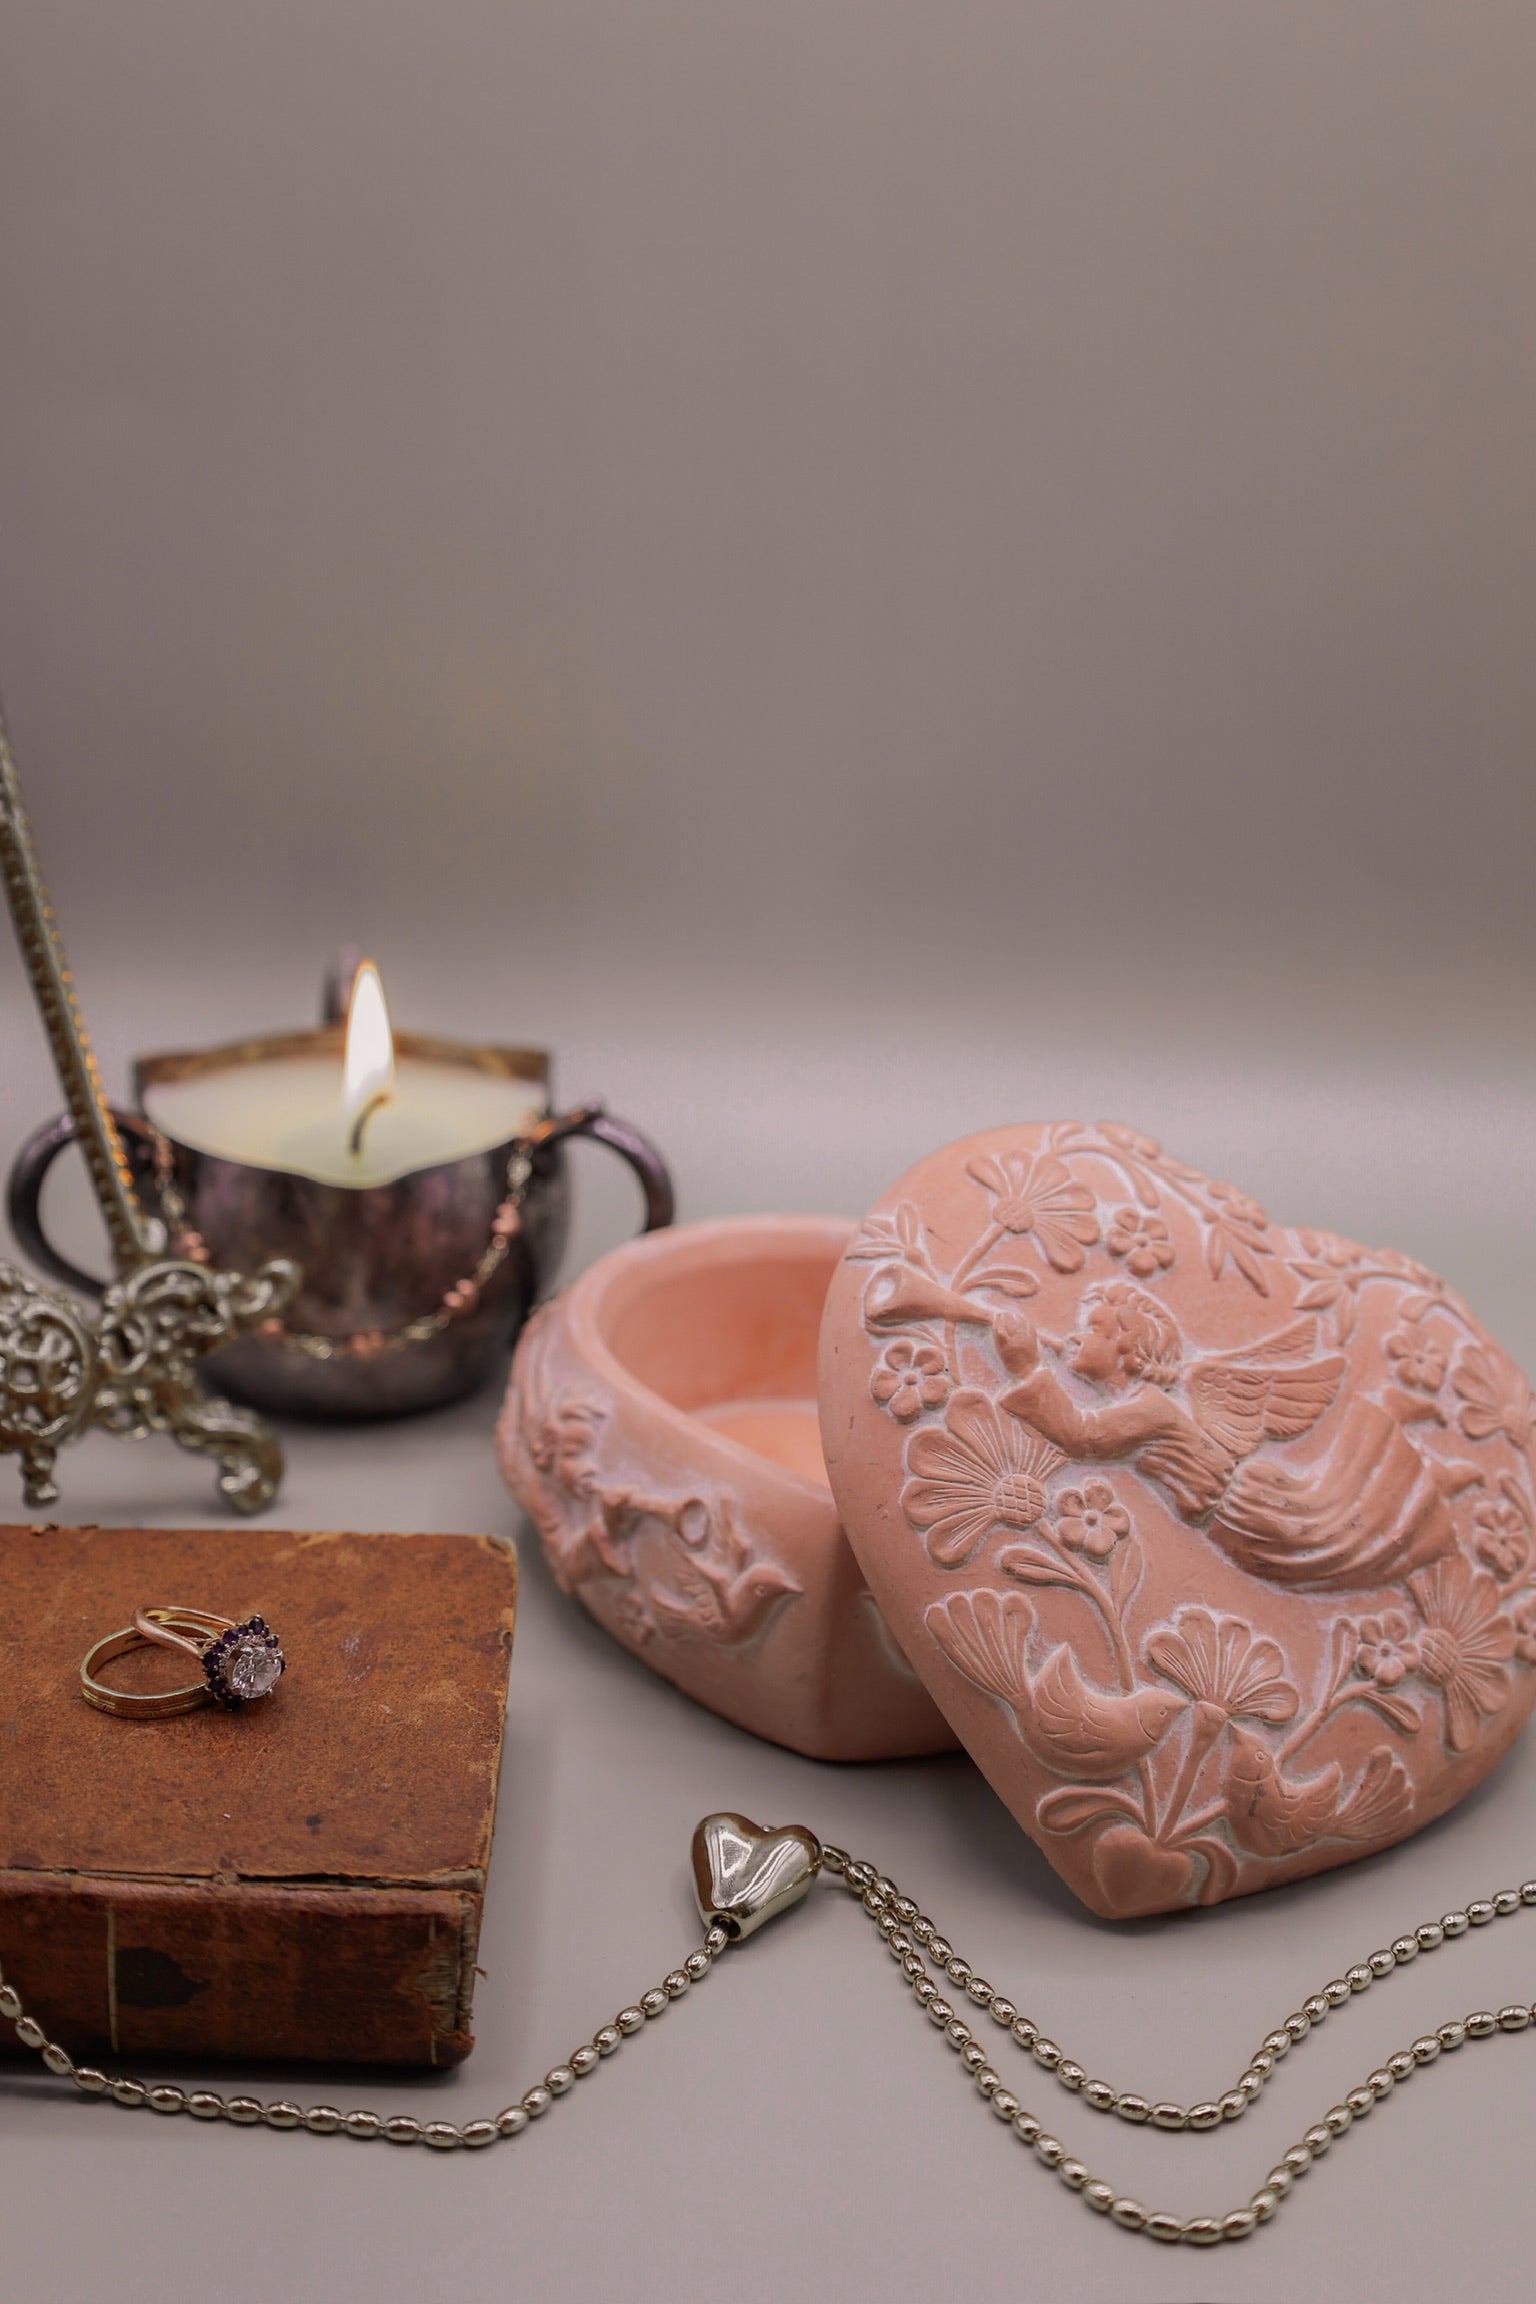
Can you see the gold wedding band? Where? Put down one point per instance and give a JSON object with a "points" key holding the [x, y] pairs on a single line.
{"points": [[241, 1663]]}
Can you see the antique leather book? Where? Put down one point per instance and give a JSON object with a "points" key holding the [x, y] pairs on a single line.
{"points": [[299, 1880]]}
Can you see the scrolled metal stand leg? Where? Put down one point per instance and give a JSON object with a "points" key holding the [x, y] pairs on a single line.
{"points": [[250, 1458], [38, 1485], [155, 1326]]}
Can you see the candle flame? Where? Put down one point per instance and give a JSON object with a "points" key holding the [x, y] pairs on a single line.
{"points": [[368, 1070]]}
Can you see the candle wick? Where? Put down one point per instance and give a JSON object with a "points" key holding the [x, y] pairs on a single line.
{"points": [[355, 1140]]}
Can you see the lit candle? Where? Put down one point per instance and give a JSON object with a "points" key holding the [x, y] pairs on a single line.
{"points": [[364, 1115], [368, 1062]]}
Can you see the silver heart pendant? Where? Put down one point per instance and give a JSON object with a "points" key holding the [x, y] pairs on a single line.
{"points": [[744, 1875]]}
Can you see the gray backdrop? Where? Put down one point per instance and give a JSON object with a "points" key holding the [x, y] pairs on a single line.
{"points": [[863, 569]]}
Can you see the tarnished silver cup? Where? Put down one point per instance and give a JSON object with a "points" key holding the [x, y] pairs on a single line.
{"points": [[413, 1290]]}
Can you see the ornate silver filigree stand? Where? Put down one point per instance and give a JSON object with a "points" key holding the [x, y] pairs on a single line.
{"points": [[131, 1368]]}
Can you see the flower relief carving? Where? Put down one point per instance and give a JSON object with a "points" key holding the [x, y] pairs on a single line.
{"points": [[910, 1377], [1360, 1457], [1494, 1396], [652, 1566], [976, 1472]]}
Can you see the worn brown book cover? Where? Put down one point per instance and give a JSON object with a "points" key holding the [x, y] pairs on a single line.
{"points": [[300, 1879]]}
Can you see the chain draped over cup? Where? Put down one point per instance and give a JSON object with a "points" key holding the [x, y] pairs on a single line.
{"points": [[461, 1297]]}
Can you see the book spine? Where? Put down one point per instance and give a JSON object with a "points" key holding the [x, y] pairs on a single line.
{"points": [[244, 1971]]}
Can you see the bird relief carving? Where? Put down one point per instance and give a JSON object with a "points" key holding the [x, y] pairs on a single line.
{"points": [[717, 1588], [1227, 1526], [649, 1565]]}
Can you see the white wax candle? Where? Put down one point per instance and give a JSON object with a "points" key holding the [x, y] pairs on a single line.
{"points": [[287, 1112]]}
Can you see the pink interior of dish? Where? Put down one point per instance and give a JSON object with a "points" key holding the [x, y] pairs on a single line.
{"points": [[733, 1342]]}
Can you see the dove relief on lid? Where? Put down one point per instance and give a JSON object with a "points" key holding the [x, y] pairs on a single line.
{"points": [[1213, 1538]]}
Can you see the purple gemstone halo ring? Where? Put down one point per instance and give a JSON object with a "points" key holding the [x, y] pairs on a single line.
{"points": [[242, 1662]]}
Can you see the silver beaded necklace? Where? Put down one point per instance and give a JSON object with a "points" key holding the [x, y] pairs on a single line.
{"points": [[744, 1876]]}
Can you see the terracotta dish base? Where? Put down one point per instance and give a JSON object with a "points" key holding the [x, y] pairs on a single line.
{"points": [[661, 1431]]}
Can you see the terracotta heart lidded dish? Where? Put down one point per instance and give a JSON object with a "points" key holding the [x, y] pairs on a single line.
{"points": [[1212, 1539]]}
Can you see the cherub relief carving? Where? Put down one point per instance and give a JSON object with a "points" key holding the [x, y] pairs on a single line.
{"points": [[1374, 1510]]}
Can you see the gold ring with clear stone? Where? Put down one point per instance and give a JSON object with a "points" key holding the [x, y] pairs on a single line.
{"points": [[241, 1662]]}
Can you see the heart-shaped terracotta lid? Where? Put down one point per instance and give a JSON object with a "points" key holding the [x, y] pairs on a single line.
{"points": [[1213, 1539]]}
